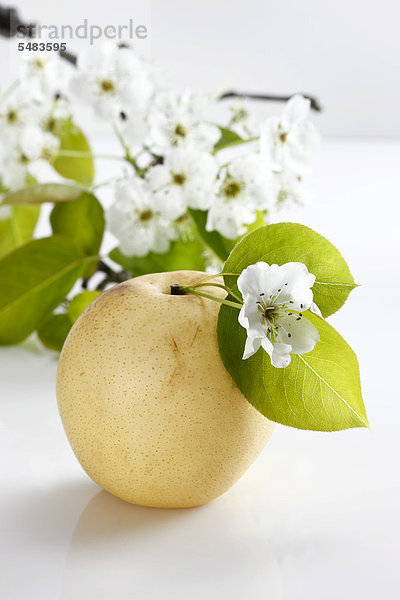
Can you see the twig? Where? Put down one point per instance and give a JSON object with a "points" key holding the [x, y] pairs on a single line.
{"points": [[10, 21], [315, 105], [69, 57], [111, 276]]}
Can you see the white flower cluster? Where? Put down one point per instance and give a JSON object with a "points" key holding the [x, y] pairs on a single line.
{"points": [[28, 112], [191, 176], [169, 142]]}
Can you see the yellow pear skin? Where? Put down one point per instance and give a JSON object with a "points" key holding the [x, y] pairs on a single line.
{"points": [[147, 405]]}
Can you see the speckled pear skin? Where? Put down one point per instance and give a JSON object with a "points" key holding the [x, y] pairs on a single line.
{"points": [[147, 405]]}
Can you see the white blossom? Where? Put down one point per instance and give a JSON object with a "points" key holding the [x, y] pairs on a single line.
{"points": [[185, 179], [288, 140], [114, 81], [25, 106], [37, 144], [13, 169], [23, 148], [242, 120], [245, 186], [292, 189], [49, 71], [24, 117], [275, 299], [180, 120], [139, 225], [133, 128]]}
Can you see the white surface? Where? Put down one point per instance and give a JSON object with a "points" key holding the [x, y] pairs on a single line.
{"points": [[315, 518], [347, 53]]}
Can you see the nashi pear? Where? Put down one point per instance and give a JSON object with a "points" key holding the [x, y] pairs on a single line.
{"points": [[147, 405]]}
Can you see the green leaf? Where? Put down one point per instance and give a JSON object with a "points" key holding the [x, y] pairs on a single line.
{"points": [[82, 221], [319, 390], [18, 227], [81, 169], [53, 331], [80, 302], [182, 255], [228, 138], [34, 280], [218, 245], [290, 242], [44, 192]]}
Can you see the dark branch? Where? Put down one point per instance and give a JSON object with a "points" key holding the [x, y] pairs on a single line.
{"points": [[68, 56], [104, 268], [315, 105], [9, 21], [111, 276]]}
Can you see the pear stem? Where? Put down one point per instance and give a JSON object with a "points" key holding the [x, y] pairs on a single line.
{"points": [[218, 285], [190, 290], [177, 290]]}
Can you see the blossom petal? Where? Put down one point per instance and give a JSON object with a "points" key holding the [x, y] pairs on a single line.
{"points": [[251, 346], [299, 332], [158, 177], [229, 218], [169, 202], [255, 280], [295, 285], [314, 308], [280, 355], [295, 111], [249, 318]]}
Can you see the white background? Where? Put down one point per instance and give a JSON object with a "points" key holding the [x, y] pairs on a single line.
{"points": [[346, 53], [317, 516]]}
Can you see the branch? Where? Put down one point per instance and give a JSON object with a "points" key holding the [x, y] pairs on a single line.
{"points": [[9, 21], [315, 105], [110, 276], [11, 24]]}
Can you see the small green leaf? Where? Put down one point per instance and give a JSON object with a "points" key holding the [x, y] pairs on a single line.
{"points": [[319, 390], [80, 302], [82, 221], [182, 255], [44, 192], [34, 279], [81, 169], [18, 227], [218, 245], [290, 242], [53, 331], [228, 138]]}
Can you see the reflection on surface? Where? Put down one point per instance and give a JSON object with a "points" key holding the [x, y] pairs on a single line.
{"points": [[124, 551], [43, 517]]}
